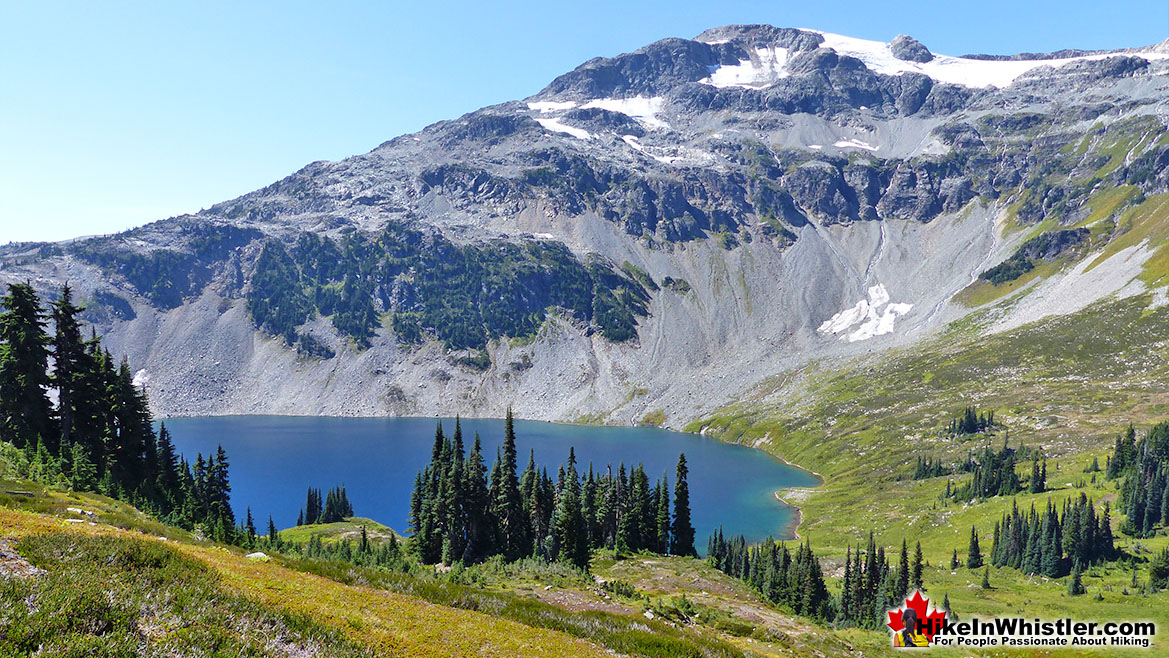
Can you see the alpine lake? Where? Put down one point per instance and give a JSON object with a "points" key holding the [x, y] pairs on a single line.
{"points": [[274, 459]]}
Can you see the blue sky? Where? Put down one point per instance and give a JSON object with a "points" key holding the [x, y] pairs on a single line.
{"points": [[115, 114]]}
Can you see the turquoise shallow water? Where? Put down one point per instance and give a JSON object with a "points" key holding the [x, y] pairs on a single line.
{"points": [[274, 459]]}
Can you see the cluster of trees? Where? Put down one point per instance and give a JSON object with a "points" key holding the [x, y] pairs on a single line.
{"points": [[994, 475], [462, 295], [1008, 270], [971, 421], [388, 554], [99, 436], [871, 586], [459, 514], [795, 580], [1144, 465], [1054, 543], [928, 467], [335, 508]]}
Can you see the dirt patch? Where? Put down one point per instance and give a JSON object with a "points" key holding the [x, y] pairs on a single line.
{"points": [[14, 566], [578, 601]]}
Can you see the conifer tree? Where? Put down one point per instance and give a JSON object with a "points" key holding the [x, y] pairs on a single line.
{"points": [[918, 568], [682, 536], [480, 540], [507, 507], [662, 520], [1076, 582], [69, 358], [250, 526], [901, 589], [25, 410], [973, 554]]}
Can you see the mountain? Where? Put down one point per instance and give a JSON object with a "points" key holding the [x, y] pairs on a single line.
{"points": [[652, 234]]}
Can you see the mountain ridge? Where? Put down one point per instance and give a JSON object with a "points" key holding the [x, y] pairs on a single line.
{"points": [[743, 212]]}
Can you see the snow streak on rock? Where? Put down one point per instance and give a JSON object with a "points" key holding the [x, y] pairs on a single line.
{"points": [[870, 317]]}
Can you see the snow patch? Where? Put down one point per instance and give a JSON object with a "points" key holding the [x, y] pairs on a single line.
{"points": [[644, 109], [551, 106], [854, 144], [632, 141], [975, 73], [141, 378], [815, 147], [873, 316], [763, 70], [555, 126]]}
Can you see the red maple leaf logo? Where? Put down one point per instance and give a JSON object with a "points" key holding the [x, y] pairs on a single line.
{"points": [[930, 622]]}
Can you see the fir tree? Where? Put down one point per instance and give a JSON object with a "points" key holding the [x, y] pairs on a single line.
{"points": [[25, 410], [1076, 582], [901, 588], [507, 507], [682, 535], [918, 568], [69, 359], [973, 554]]}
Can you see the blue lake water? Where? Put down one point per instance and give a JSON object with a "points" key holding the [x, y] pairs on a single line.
{"points": [[274, 459]]}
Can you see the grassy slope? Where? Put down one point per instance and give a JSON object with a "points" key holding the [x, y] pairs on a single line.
{"points": [[334, 532], [1068, 385], [378, 620]]}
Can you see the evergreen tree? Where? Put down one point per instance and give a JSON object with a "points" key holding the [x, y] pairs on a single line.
{"points": [[480, 539], [662, 520], [69, 359], [569, 526], [954, 560], [507, 507], [986, 578], [273, 534], [682, 536], [1076, 582], [918, 568], [25, 410], [901, 588], [973, 554]]}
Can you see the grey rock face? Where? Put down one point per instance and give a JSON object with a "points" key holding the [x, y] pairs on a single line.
{"points": [[749, 208], [907, 48]]}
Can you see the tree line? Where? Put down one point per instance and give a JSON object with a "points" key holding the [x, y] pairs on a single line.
{"points": [[795, 580], [994, 474], [99, 435], [870, 586], [1059, 541], [460, 514], [1144, 491]]}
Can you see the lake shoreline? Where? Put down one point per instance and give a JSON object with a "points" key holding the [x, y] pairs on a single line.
{"points": [[275, 457]]}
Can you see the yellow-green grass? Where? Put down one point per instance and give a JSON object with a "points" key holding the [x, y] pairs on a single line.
{"points": [[348, 529], [1145, 223], [983, 292], [385, 622], [1067, 386]]}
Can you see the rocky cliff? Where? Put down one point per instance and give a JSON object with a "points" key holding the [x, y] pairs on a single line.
{"points": [[650, 235]]}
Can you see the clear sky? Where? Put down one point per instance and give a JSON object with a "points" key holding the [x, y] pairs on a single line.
{"points": [[114, 114]]}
